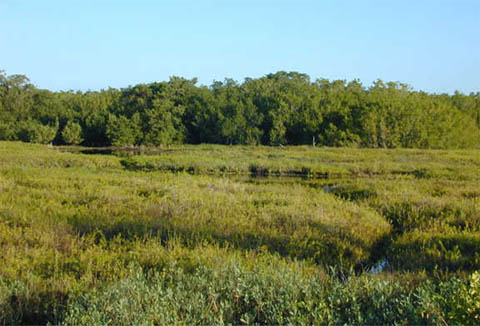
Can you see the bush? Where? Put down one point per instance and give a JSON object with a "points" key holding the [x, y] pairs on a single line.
{"points": [[72, 133], [123, 132], [265, 296], [35, 132], [447, 251], [7, 131]]}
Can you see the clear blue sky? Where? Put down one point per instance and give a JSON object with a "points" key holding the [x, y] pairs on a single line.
{"points": [[433, 45]]}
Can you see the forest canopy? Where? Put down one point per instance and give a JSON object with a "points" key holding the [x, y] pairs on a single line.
{"points": [[283, 108]]}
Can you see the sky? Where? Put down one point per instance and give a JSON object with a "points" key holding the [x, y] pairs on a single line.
{"points": [[432, 45]]}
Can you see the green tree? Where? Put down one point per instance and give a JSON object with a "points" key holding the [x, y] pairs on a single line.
{"points": [[279, 108], [72, 133], [122, 131], [164, 123], [8, 130], [15, 96], [34, 132]]}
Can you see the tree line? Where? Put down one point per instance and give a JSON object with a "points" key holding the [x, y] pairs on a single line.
{"points": [[283, 108]]}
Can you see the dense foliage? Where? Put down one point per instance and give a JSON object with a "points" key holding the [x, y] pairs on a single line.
{"points": [[232, 295], [281, 108], [110, 240]]}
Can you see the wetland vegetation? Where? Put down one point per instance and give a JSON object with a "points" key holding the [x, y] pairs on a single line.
{"points": [[191, 205], [282, 108], [213, 234]]}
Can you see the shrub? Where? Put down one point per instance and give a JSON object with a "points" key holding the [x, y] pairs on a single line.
{"points": [[72, 133], [35, 132]]}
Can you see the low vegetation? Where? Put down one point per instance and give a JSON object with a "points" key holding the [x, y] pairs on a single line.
{"points": [[239, 235]]}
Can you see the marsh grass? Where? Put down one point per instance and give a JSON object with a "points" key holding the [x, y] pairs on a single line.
{"points": [[78, 231], [311, 162]]}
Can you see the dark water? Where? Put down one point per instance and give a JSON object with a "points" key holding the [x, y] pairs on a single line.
{"points": [[97, 151]]}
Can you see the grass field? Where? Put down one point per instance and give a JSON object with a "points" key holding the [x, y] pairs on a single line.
{"points": [[239, 235]]}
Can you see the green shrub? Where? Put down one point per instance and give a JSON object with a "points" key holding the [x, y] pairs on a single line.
{"points": [[7, 131], [233, 295], [448, 251], [72, 133], [35, 132]]}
